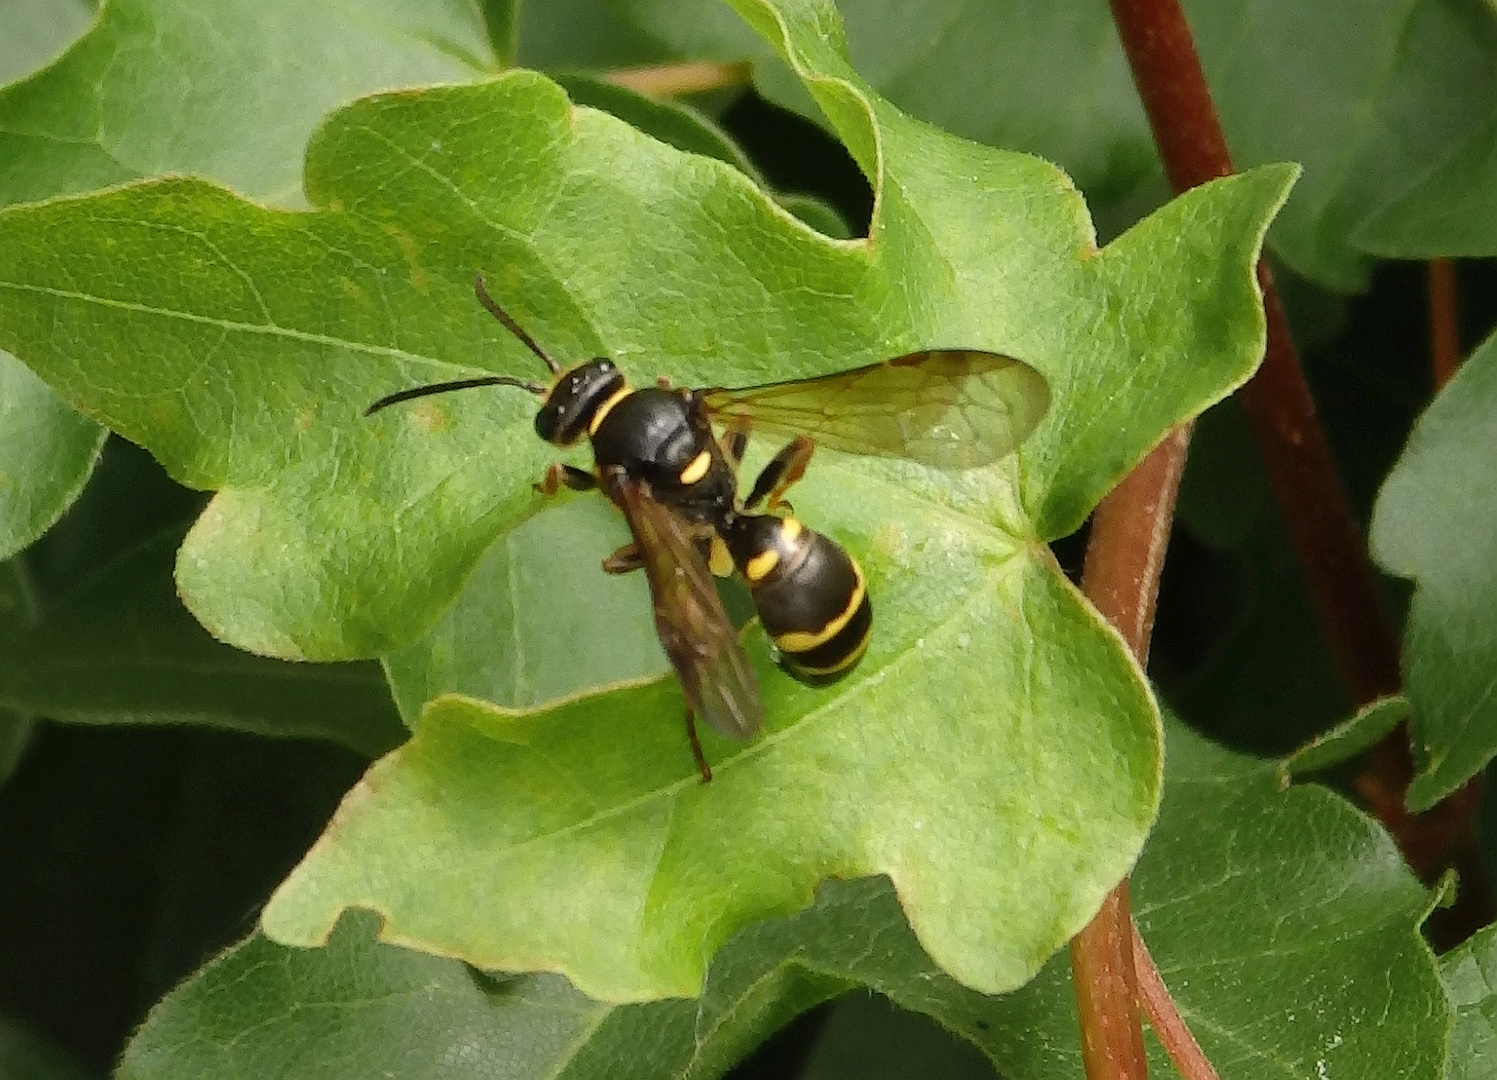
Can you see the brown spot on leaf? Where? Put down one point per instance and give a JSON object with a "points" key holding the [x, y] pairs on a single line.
{"points": [[430, 416]]}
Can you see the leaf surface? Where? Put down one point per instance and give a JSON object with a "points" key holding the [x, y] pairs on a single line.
{"points": [[227, 90], [333, 535], [1470, 974], [1245, 898], [1366, 112], [119, 648], [1436, 522]]}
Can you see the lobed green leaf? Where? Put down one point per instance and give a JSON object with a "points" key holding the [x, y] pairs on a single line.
{"points": [[1436, 522], [241, 345], [1470, 974], [1282, 921], [1365, 113], [228, 90]]}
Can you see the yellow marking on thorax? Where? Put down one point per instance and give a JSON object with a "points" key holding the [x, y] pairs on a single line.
{"points": [[799, 641], [696, 470], [604, 409], [790, 529], [719, 559]]}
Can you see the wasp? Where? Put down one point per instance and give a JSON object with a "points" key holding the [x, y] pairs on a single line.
{"points": [[658, 458]]}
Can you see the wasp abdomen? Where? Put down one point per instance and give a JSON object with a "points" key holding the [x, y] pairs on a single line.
{"points": [[809, 592]]}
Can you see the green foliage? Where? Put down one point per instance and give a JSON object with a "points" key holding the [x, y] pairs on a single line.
{"points": [[1365, 113], [25, 1054], [1275, 959], [75, 665], [158, 87], [1434, 523], [419, 192], [531, 881], [1470, 974]]}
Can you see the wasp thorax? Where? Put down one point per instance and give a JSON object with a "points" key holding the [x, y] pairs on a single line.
{"points": [[575, 398]]}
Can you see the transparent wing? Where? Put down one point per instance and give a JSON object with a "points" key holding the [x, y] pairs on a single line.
{"points": [[956, 409], [695, 631]]}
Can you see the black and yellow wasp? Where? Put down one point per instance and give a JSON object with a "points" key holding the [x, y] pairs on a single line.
{"points": [[657, 457]]}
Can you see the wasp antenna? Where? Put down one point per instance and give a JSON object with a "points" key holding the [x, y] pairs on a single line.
{"points": [[459, 384], [513, 327]]}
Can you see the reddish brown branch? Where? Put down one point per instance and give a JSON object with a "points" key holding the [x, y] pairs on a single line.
{"points": [[1112, 1042], [1130, 533], [1326, 539], [1169, 1026], [1444, 322]]}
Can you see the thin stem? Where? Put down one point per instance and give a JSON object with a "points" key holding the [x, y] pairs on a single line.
{"points": [[1444, 321], [1112, 1041], [673, 80], [1363, 644], [1165, 1019], [1124, 556]]}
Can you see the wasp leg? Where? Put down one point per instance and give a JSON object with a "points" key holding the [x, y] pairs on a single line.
{"points": [[783, 470], [625, 560], [559, 476], [696, 748], [734, 442]]}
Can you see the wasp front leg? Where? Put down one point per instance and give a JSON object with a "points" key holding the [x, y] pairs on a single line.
{"points": [[783, 470], [560, 476]]}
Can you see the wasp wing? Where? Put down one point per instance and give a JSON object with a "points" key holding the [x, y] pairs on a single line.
{"points": [[953, 408], [694, 629]]}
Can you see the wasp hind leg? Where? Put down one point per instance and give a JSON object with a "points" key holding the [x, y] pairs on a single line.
{"points": [[783, 470], [625, 560], [560, 476]]}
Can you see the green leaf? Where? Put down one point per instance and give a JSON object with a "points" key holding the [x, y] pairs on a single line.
{"points": [[565, 35], [36, 31], [1347, 739], [1282, 920], [1366, 113], [1436, 522], [1449, 212], [661, 869], [334, 535], [16, 731], [533, 649], [17, 615], [83, 664], [402, 505], [47, 452], [157, 87], [672, 123], [1470, 974]]}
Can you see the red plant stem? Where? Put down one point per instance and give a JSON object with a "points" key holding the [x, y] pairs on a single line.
{"points": [[1169, 1026], [1167, 72], [1124, 556], [1444, 322], [1112, 1042]]}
